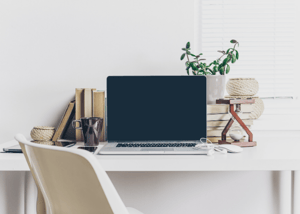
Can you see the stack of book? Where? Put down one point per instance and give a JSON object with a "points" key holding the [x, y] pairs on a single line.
{"points": [[88, 103], [218, 116]]}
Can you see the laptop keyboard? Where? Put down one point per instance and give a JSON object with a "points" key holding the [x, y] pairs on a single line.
{"points": [[156, 145]]}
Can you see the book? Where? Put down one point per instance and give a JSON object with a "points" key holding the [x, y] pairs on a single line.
{"points": [[65, 121], [99, 109], [220, 108], [83, 106], [88, 110], [216, 139], [218, 133], [79, 107], [219, 127], [224, 123], [226, 116]]}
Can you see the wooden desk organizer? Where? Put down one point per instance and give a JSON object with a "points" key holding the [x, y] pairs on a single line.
{"points": [[238, 103]]}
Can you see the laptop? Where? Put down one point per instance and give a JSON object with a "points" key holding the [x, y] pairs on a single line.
{"points": [[155, 114]]}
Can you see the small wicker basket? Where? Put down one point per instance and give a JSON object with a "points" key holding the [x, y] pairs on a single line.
{"points": [[242, 87], [258, 106], [42, 133]]}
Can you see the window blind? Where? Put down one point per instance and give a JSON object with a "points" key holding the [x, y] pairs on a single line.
{"points": [[265, 31]]}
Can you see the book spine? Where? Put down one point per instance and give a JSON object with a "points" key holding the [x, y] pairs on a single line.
{"points": [[106, 121], [99, 109], [221, 108], [222, 117], [62, 125], [88, 102], [79, 110], [224, 122]]}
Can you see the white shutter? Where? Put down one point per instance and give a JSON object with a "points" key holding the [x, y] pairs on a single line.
{"points": [[265, 31]]}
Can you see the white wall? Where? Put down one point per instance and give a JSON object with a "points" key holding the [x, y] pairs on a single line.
{"points": [[48, 48]]}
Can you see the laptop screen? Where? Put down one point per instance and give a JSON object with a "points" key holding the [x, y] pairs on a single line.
{"points": [[156, 108]]}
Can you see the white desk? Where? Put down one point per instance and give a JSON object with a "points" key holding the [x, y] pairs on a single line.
{"points": [[271, 154]]}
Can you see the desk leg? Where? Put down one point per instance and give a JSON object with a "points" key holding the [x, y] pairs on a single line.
{"points": [[296, 192], [30, 194], [285, 194]]}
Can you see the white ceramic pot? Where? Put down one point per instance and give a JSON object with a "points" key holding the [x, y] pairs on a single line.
{"points": [[215, 87]]}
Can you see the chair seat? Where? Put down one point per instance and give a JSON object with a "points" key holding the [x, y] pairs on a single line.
{"points": [[133, 211]]}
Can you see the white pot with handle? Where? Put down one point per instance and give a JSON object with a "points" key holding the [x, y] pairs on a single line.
{"points": [[215, 88]]}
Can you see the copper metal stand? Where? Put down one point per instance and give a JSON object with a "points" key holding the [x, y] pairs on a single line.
{"points": [[238, 103]]}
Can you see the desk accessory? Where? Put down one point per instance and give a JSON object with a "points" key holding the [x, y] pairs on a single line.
{"points": [[206, 144], [258, 106], [65, 122], [99, 109], [242, 86], [235, 117], [13, 149], [42, 133], [91, 128], [215, 83], [89, 103], [218, 116], [144, 119], [83, 102]]}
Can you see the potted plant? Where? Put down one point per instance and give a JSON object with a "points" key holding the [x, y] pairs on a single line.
{"points": [[215, 71]]}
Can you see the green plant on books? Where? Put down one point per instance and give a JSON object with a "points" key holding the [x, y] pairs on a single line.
{"points": [[217, 66]]}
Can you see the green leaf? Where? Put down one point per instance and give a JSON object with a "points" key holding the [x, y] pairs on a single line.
{"points": [[201, 72], [215, 69], [182, 56], [219, 67], [184, 49], [233, 41], [222, 70], [188, 70], [192, 54], [188, 45], [233, 58], [224, 61], [211, 71], [228, 50], [194, 67], [227, 69], [237, 54]]}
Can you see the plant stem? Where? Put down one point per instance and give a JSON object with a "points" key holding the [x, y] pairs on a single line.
{"points": [[187, 56]]}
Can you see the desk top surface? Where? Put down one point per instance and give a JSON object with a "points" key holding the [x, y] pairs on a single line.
{"points": [[274, 152]]}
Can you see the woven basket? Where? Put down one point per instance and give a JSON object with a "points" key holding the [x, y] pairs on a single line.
{"points": [[42, 133], [258, 106], [49, 143], [242, 87]]}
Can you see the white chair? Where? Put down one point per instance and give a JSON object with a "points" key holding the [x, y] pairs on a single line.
{"points": [[71, 181]]}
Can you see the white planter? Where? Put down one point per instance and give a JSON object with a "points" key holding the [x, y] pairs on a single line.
{"points": [[215, 87]]}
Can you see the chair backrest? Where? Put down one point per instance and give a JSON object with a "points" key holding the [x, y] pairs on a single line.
{"points": [[72, 181]]}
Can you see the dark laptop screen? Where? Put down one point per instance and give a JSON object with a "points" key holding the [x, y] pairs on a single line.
{"points": [[149, 108]]}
